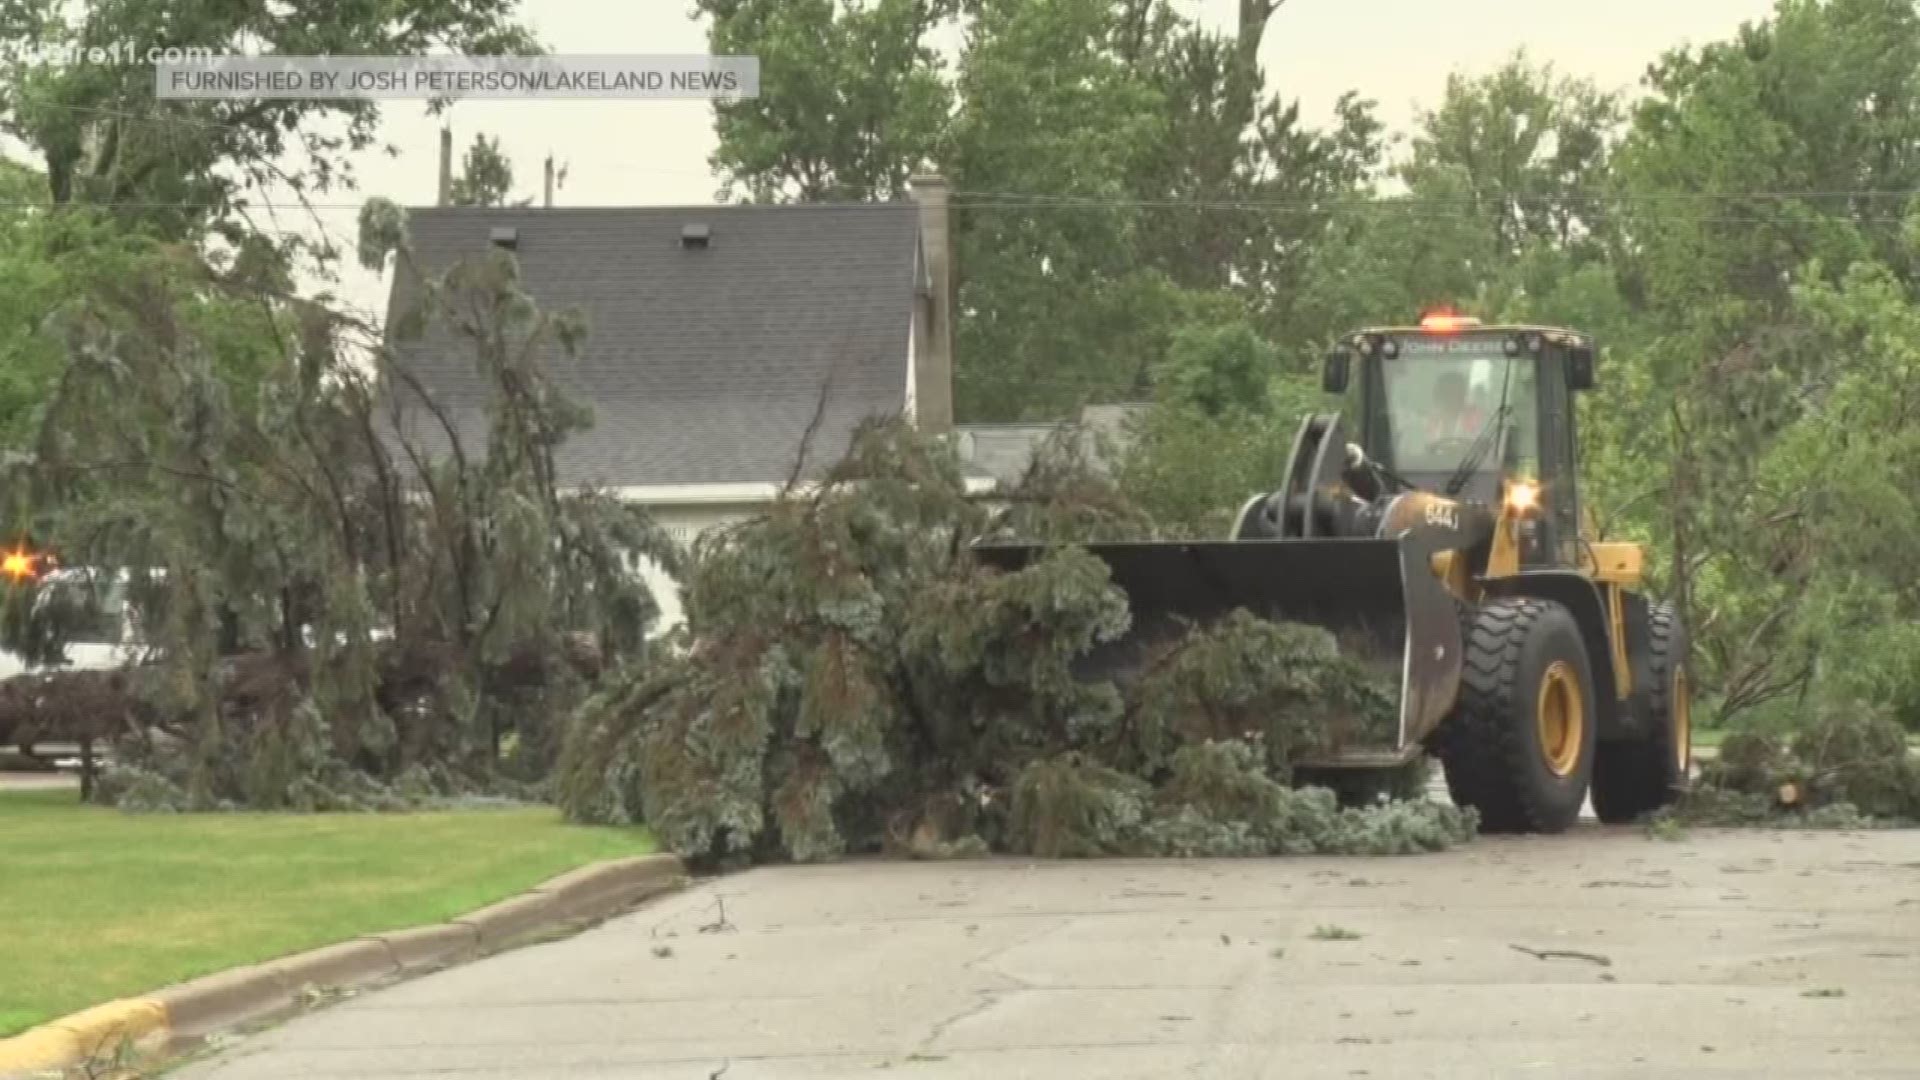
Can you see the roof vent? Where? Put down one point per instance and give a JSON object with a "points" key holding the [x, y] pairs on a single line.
{"points": [[505, 236], [696, 234]]}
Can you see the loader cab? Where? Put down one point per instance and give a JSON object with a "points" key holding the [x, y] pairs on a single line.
{"points": [[1484, 413]]}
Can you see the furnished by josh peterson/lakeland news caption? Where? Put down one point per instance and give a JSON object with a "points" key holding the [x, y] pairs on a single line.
{"points": [[387, 77]]}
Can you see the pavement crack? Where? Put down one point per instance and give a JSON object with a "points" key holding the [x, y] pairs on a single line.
{"points": [[984, 964], [989, 996], [987, 1000]]}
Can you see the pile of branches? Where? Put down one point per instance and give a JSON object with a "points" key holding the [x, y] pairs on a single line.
{"points": [[1850, 768], [853, 680]]}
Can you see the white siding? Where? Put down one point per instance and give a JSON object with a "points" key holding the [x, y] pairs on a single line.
{"points": [[687, 510], [685, 523]]}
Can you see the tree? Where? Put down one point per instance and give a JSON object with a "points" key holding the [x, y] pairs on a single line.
{"points": [[344, 612], [1757, 174], [1522, 151], [486, 176], [1075, 133], [1216, 369], [914, 701], [1147, 183], [179, 166], [853, 96]]}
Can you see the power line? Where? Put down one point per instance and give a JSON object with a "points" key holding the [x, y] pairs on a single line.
{"points": [[1570, 195], [981, 197], [1405, 208], [165, 117]]}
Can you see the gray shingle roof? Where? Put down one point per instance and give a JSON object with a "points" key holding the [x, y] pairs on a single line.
{"points": [[1005, 451], [704, 365]]}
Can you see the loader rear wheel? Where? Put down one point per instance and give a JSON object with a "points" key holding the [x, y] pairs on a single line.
{"points": [[1634, 776], [1519, 744]]}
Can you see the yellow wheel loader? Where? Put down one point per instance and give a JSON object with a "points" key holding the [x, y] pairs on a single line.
{"points": [[1442, 539]]}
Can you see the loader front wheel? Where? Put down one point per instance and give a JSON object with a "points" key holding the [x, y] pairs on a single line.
{"points": [[1634, 776], [1519, 744]]}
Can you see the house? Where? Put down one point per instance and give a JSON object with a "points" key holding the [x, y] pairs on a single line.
{"points": [[715, 335], [1002, 452]]}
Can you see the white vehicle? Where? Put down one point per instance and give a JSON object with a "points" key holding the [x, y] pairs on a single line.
{"points": [[109, 640]]}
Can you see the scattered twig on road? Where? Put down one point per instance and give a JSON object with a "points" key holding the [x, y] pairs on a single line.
{"points": [[1563, 954], [721, 924], [721, 1071]]}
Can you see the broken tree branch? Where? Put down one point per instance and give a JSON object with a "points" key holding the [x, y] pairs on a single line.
{"points": [[1563, 954]]}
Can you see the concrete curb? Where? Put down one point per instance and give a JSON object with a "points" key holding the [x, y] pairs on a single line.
{"points": [[178, 1016]]}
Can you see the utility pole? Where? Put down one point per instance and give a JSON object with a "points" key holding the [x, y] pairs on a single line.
{"points": [[446, 164], [549, 202]]}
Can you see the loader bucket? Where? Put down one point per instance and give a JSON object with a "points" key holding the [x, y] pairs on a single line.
{"points": [[1380, 599]]}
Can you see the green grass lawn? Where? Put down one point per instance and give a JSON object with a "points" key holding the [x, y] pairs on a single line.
{"points": [[99, 905]]}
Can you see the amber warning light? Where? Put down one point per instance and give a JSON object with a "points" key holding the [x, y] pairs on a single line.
{"points": [[19, 564], [1444, 321]]}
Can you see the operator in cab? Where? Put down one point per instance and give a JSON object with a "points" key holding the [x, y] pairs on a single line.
{"points": [[1453, 417]]}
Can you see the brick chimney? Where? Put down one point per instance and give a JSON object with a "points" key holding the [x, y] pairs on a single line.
{"points": [[933, 341]]}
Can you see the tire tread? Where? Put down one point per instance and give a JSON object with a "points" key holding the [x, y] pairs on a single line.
{"points": [[1632, 777], [1484, 752]]}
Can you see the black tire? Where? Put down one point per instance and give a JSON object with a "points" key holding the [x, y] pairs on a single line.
{"points": [[1632, 777], [1495, 756]]}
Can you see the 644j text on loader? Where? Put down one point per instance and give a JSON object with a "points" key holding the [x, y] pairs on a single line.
{"points": [[1446, 543]]}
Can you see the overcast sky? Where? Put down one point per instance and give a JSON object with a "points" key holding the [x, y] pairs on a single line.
{"points": [[1399, 52]]}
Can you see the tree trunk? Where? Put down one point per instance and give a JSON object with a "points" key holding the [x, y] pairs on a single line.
{"points": [[86, 768], [1254, 16]]}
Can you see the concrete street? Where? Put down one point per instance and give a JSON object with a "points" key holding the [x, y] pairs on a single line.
{"points": [[1730, 954], [38, 781]]}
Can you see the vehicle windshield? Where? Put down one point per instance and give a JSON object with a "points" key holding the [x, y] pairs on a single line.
{"points": [[94, 609], [1439, 400]]}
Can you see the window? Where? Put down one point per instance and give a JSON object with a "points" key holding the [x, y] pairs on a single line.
{"points": [[1435, 407], [95, 610]]}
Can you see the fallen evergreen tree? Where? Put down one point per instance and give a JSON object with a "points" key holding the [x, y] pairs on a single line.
{"points": [[347, 599], [1847, 768], [853, 681]]}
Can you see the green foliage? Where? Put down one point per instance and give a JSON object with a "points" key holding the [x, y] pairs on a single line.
{"points": [[1219, 799], [334, 613], [1136, 217], [1215, 369], [1763, 318], [1070, 807], [861, 102], [858, 681], [1073, 131], [1286, 685], [179, 168], [1524, 151], [1844, 756], [1193, 472], [485, 177]]}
